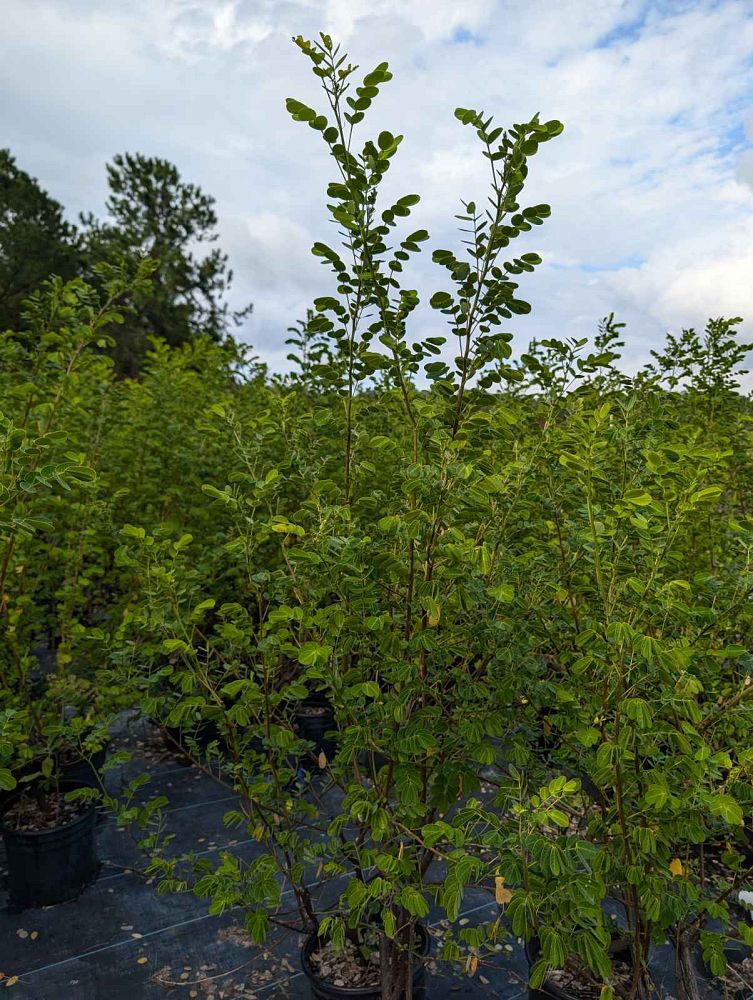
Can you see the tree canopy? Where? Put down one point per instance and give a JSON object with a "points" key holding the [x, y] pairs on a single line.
{"points": [[35, 239], [150, 212]]}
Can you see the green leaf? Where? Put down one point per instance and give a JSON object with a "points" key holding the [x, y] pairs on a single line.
{"points": [[727, 808], [638, 498], [200, 609], [175, 646], [312, 653], [656, 796], [7, 781], [414, 902], [503, 592], [440, 300]]}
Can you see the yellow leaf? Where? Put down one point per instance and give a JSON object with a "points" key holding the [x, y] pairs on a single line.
{"points": [[433, 621], [34, 935], [501, 894], [142, 960], [401, 851], [322, 760], [258, 832], [675, 866], [12, 981]]}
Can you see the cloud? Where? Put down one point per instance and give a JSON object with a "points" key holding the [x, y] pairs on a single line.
{"points": [[651, 184]]}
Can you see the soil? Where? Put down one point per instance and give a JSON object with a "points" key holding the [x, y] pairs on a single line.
{"points": [[34, 816], [738, 977], [575, 981], [346, 967]]}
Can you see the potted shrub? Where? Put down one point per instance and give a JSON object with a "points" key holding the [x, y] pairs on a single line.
{"points": [[387, 587], [45, 830], [647, 669]]}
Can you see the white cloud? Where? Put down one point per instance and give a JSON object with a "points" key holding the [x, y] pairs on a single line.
{"points": [[651, 185]]}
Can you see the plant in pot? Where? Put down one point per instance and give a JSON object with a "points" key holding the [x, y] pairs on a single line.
{"points": [[637, 679], [44, 830], [389, 588]]}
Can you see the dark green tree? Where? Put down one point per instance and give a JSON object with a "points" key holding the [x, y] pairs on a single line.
{"points": [[153, 212], [35, 239]]}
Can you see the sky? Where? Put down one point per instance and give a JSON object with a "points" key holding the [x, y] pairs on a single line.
{"points": [[651, 184]]}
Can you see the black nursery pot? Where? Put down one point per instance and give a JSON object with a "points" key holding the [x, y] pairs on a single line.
{"points": [[546, 743], [708, 984], [315, 721], [51, 866], [205, 733], [78, 772], [549, 990], [84, 772], [322, 990]]}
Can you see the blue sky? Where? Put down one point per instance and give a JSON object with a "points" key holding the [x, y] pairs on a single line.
{"points": [[651, 184]]}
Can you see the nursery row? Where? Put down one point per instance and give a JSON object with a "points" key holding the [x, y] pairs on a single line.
{"points": [[501, 607]]}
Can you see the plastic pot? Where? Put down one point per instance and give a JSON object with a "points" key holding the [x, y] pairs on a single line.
{"points": [[81, 771], [51, 866], [322, 990], [372, 762], [548, 989], [204, 733], [690, 964], [315, 722]]}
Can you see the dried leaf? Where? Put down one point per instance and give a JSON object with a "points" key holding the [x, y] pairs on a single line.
{"points": [[472, 964], [501, 894], [322, 760]]}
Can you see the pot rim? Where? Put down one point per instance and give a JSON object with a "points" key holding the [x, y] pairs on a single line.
{"points": [[308, 947], [71, 786], [532, 949]]}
